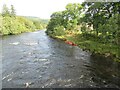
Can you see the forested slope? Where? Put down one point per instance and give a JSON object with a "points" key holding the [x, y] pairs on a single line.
{"points": [[13, 24]]}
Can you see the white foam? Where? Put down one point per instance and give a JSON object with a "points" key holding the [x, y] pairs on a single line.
{"points": [[15, 43], [31, 43]]}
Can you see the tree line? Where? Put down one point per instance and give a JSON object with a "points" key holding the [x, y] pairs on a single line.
{"points": [[97, 21], [13, 24]]}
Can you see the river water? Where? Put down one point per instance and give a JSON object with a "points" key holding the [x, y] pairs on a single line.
{"points": [[35, 60]]}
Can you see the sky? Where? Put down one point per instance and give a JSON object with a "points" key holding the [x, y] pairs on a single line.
{"points": [[38, 8]]}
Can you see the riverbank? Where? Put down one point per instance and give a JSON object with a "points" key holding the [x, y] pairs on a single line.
{"points": [[21, 32], [108, 50]]}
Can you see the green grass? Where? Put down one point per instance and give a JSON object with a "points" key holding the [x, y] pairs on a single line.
{"points": [[94, 46]]}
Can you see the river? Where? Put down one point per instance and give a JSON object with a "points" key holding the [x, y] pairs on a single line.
{"points": [[35, 60]]}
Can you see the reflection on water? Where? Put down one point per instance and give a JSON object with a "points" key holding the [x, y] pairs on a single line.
{"points": [[105, 70], [36, 60]]}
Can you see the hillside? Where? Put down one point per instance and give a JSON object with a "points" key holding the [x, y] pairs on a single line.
{"points": [[45, 21]]}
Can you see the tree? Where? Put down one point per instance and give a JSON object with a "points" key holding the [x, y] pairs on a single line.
{"points": [[55, 21], [72, 15], [13, 13], [5, 11], [65, 20], [98, 13]]}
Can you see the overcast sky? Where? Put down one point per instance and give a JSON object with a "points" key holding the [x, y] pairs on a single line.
{"points": [[39, 8]]}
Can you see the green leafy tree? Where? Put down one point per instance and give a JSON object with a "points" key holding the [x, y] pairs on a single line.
{"points": [[67, 18], [55, 21], [99, 13], [110, 30], [72, 15]]}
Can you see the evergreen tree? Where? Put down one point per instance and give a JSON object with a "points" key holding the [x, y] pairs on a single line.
{"points": [[5, 11], [13, 13]]}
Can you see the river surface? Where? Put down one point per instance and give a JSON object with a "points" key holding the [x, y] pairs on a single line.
{"points": [[35, 60]]}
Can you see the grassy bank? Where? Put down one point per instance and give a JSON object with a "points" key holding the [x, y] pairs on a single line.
{"points": [[93, 45]]}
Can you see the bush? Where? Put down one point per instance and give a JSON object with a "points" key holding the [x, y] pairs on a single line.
{"points": [[59, 30], [110, 30]]}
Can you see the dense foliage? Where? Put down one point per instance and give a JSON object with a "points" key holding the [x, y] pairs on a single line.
{"points": [[12, 24], [94, 21], [104, 18], [39, 23], [67, 20]]}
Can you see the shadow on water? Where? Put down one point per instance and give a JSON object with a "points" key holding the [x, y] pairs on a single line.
{"points": [[104, 70]]}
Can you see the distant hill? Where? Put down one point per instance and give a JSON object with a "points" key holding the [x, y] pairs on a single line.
{"points": [[45, 21]]}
